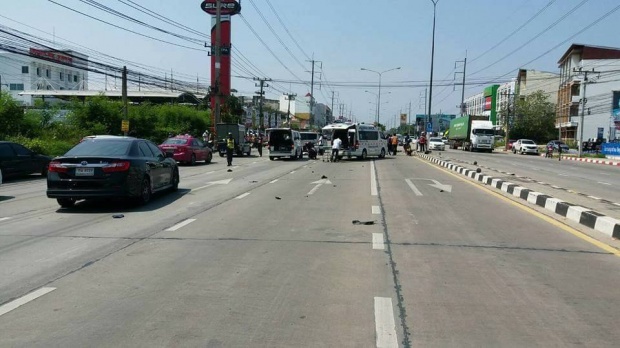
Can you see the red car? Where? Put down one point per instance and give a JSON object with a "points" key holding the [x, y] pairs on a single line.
{"points": [[510, 142], [187, 149]]}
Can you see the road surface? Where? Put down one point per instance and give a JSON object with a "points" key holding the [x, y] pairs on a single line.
{"points": [[268, 255]]}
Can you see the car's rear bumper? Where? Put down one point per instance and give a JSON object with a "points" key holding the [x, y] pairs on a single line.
{"points": [[89, 194], [529, 150]]}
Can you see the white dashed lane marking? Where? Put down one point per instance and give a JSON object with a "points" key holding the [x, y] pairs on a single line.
{"points": [[7, 307], [180, 225]]}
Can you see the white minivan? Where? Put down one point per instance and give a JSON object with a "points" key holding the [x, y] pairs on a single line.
{"points": [[284, 142], [358, 139]]}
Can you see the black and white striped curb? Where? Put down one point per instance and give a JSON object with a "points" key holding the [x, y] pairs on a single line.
{"points": [[581, 215], [528, 179]]}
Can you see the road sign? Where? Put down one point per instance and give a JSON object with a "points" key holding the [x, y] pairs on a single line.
{"points": [[429, 127], [125, 126]]}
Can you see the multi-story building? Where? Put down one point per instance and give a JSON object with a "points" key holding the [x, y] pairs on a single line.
{"points": [[483, 104], [504, 105], [602, 64], [42, 70], [530, 81]]}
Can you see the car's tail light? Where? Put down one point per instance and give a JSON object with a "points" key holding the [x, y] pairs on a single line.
{"points": [[57, 167], [293, 147], [357, 144], [120, 166]]}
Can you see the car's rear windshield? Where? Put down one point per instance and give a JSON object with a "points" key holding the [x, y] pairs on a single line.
{"points": [[175, 141], [100, 147], [309, 136], [527, 142], [436, 139]]}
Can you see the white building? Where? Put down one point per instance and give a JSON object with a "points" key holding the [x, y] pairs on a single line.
{"points": [[42, 69], [599, 96], [475, 105], [506, 96]]}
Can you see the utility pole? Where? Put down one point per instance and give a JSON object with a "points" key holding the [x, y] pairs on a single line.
{"points": [[139, 82], [218, 59], [333, 93], [422, 104], [261, 93], [509, 110], [124, 94], [430, 97], [583, 101], [289, 97], [171, 81], [410, 118], [312, 120], [464, 61]]}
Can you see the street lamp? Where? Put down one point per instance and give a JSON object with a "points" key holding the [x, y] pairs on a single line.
{"points": [[430, 95], [379, 97]]}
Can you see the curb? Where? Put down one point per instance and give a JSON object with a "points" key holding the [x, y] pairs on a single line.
{"points": [[590, 160], [584, 216]]}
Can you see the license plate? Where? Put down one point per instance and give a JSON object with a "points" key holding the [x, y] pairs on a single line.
{"points": [[84, 171]]}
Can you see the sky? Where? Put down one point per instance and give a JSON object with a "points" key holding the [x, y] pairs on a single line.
{"points": [[497, 37]]}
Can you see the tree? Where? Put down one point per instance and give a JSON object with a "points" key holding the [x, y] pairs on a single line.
{"points": [[535, 118], [11, 115], [232, 110]]}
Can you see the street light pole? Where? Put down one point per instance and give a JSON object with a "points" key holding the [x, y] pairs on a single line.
{"points": [[430, 94], [380, 73]]}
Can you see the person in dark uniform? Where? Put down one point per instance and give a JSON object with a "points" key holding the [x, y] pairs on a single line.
{"points": [[230, 148], [258, 142]]}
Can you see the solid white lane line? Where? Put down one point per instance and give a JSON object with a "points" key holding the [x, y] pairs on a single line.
{"points": [[413, 188], [604, 183], [4, 219], [180, 224], [273, 181], [4, 309], [377, 241], [385, 326], [373, 180], [594, 197], [243, 195], [376, 209]]}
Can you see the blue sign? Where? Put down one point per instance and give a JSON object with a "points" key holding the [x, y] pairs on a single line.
{"points": [[429, 127], [611, 149]]}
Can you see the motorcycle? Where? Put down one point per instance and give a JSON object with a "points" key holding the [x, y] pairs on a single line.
{"points": [[311, 150], [408, 149]]}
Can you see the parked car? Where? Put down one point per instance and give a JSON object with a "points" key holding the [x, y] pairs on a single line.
{"points": [[558, 143], [524, 146], [445, 140], [17, 160], [187, 149], [111, 167], [435, 143]]}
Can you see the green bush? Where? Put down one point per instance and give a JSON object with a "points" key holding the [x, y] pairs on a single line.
{"points": [[49, 147]]}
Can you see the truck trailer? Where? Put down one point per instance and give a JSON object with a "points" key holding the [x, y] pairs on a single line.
{"points": [[472, 133]]}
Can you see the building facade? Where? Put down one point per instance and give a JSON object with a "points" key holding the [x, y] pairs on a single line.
{"points": [[484, 104], [602, 64], [42, 70], [530, 81]]}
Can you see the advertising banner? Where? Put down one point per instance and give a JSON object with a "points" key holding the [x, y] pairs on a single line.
{"points": [[403, 119], [488, 101], [615, 109]]}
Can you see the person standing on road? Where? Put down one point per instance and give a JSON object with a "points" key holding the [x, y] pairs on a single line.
{"points": [[389, 144], [394, 144], [336, 143], [422, 143], [230, 147], [559, 152], [258, 142]]}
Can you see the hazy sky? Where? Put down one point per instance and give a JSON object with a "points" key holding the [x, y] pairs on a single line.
{"points": [[345, 36]]}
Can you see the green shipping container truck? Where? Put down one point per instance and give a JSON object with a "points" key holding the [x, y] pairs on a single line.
{"points": [[460, 133]]}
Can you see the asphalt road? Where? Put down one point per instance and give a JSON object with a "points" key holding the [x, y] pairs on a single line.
{"points": [[268, 256], [597, 180]]}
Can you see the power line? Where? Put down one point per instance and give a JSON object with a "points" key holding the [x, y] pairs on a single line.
{"points": [[515, 31], [275, 34], [286, 29], [566, 15], [125, 29]]}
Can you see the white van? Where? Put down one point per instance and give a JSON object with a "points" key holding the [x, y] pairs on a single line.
{"points": [[284, 142], [358, 140]]}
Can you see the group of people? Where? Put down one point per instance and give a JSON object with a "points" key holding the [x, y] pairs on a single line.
{"points": [[393, 142]]}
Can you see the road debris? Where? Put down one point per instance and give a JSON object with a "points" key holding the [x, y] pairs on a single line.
{"points": [[357, 222]]}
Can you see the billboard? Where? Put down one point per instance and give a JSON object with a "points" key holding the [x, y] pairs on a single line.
{"points": [[488, 101], [403, 119], [615, 109]]}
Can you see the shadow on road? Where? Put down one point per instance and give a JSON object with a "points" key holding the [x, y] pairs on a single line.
{"points": [[98, 206]]}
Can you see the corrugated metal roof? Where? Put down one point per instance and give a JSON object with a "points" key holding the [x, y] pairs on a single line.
{"points": [[116, 94]]}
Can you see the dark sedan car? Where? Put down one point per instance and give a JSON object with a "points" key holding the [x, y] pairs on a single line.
{"points": [[122, 167], [16, 160]]}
